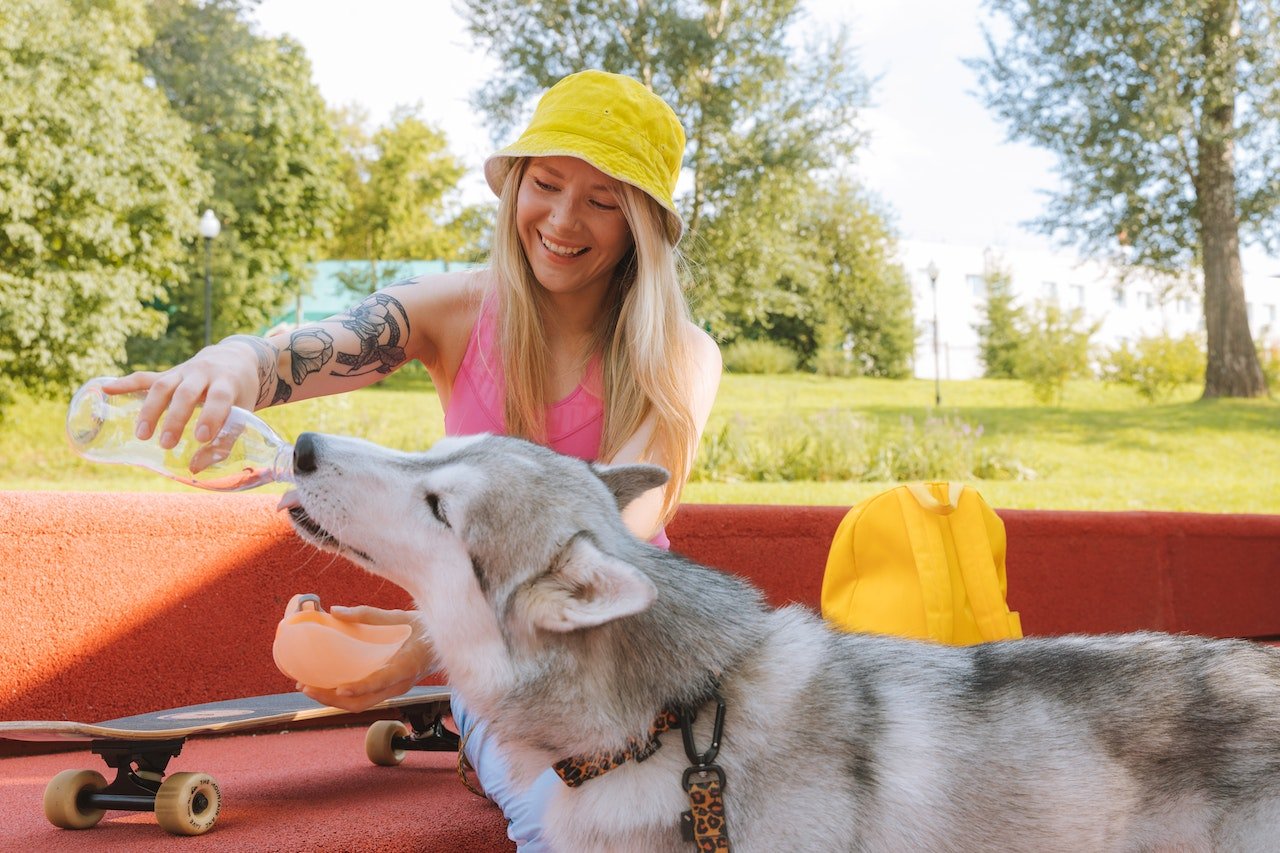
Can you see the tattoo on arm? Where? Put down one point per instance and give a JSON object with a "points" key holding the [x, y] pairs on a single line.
{"points": [[381, 325], [309, 351], [271, 388]]}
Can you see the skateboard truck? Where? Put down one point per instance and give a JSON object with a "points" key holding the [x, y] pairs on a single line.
{"points": [[388, 740], [184, 803], [132, 790]]}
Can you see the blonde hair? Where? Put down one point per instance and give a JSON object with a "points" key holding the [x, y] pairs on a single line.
{"points": [[642, 338]]}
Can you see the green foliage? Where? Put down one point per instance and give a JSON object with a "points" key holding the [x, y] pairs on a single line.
{"points": [[838, 445], [1269, 361], [1165, 119], [758, 357], [401, 182], [261, 130], [860, 302], [97, 182], [1054, 347], [1156, 366], [998, 333], [777, 240]]}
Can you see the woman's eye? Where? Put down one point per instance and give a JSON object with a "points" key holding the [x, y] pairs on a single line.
{"points": [[542, 185], [604, 205]]}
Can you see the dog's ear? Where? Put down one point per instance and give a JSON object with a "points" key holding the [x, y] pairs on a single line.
{"points": [[586, 587], [628, 482]]}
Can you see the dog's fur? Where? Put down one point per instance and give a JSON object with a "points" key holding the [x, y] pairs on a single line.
{"points": [[569, 635]]}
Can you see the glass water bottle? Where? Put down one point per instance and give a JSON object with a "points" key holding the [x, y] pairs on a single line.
{"points": [[244, 454]]}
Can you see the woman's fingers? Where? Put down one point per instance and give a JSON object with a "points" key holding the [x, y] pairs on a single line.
{"points": [[373, 615]]}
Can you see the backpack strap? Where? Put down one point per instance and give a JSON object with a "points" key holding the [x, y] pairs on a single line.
{"points": [[978, 570], [930, 556]]}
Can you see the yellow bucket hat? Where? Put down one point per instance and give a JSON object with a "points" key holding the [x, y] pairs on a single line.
{"points": [[612, 122]]}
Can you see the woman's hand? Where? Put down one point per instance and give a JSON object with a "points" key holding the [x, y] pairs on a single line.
{"points": [[409, 665], [220, 376]]}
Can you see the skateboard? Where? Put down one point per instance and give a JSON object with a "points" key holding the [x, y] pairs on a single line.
{"points": [[140, 747]]}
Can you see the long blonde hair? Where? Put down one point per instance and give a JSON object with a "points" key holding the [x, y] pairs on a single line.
{"points": [[642, 338]]}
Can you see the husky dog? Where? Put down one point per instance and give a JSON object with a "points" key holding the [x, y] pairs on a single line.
{"points": [[572, 636]]}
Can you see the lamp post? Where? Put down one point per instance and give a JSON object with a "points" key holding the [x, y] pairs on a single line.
{"points": [[210, 227], [932, 272]]}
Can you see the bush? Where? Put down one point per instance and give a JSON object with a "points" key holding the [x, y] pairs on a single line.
{"points": [[834, 361], [759, 357], [1054, 347], [1156, 366], [839, 446], [944, 448], [1269, 361]]}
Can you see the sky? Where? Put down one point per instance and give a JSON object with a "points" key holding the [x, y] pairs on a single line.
{"points": [[937, 158]]}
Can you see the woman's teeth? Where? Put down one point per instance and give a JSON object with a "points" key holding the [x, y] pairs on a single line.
{"points": [[562, 251]]}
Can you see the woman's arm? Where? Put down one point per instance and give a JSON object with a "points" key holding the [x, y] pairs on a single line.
{"points": [[418, 318], [643, 514]]}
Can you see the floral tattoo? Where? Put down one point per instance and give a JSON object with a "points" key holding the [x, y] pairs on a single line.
{"points": [[380, 324]]}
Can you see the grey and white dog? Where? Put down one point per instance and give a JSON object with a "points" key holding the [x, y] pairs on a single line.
{"points": [[570, 635]]}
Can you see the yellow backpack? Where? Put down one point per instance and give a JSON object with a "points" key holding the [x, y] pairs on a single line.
{"points": [[924, 560]]}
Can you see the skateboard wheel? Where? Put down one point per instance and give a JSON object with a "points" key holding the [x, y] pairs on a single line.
{"points": [[378, 742], [61, 794], [188, 803]]}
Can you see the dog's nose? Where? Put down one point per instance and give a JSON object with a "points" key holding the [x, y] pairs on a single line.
{"points": [[304, 454]]}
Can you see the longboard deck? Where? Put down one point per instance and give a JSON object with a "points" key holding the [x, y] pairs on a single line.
{"points": [[229, 715]]}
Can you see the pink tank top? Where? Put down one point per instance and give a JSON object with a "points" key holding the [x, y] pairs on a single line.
{"points": [[575, 424]]}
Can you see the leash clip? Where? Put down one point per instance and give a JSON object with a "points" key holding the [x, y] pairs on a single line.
{"points": [[687, 717]]}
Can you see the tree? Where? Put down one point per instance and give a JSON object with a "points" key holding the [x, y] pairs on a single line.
{"points": [[260, 128], [400, 182], [998, 335], [96, 186], [1165, 116], [765, 124], [862, 301]]}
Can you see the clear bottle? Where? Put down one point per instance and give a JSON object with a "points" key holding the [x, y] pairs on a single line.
{"points": [[244, 454]]}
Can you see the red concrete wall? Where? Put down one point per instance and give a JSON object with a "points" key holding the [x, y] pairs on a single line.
{"points": [[112, 604]]}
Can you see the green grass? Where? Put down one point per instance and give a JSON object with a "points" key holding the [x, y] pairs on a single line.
{"points": [[1104, 448]]}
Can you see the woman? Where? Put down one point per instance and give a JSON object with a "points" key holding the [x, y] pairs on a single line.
{"points": [[577, 336]]}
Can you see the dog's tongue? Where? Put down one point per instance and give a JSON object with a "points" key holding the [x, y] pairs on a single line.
{"points": [[288, 500]]}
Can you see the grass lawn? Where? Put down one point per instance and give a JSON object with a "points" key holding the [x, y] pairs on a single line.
{"points": [[1104, 448]]}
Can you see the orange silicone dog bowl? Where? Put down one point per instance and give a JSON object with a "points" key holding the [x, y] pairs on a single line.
{"points": [[319, 650]]}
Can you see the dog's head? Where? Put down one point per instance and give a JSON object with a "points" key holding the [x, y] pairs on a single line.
{"points": [[535, 533]]}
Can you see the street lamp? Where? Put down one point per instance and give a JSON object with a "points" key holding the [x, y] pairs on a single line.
{"points": [[932, 272], [210, 227]]}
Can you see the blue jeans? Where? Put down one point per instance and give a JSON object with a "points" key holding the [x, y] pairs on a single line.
{"points": [[524, 808]]}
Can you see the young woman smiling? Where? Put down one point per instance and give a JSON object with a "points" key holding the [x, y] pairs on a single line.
{"points": [[576, 336]]}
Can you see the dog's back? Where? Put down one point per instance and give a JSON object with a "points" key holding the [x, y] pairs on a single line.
{"points": [[571, 637]]}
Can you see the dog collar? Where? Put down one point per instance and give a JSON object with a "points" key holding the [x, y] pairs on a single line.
{"points": [[704, 823], [577, 769]]}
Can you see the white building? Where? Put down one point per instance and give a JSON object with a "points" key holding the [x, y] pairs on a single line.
{"points": [[1140, 306]]}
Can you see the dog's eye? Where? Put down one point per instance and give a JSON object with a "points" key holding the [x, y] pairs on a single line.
{"points": [[437, 509]]}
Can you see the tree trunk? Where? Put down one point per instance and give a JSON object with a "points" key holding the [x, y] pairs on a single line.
{"points": [[1233, 369]]}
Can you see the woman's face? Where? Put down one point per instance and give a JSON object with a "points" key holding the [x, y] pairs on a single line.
{"points": [[571, 226]]}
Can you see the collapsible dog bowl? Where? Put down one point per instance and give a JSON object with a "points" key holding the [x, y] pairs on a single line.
{"points": [[320, 650]]}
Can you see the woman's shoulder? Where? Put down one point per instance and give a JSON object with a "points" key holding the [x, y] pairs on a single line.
{"points": [[704, 352], [442, 309], [460, 290]]}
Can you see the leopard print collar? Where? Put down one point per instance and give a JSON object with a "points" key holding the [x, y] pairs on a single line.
{"points": [[577, 769]]}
